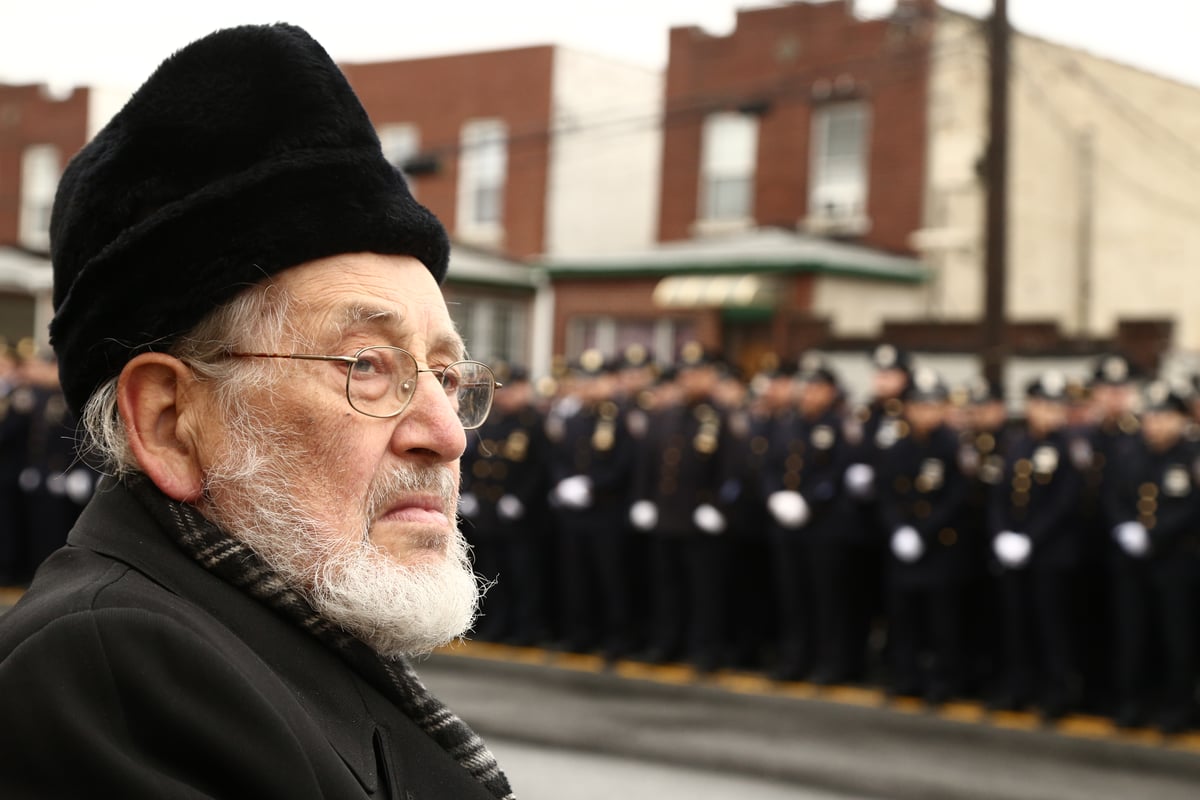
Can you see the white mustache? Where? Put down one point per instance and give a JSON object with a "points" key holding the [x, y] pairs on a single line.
{"points": [[390, 487]]}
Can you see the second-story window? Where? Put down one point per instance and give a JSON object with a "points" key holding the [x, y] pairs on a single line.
{"points": [[39, 180], [483, 170], [838, 184], [401, 142], [728, 156]]}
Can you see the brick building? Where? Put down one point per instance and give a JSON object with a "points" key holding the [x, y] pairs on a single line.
{"points": [[807, 123], [38, 133]]}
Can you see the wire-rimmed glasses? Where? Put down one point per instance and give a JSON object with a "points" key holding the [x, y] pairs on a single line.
{"points": [[382, 380]]}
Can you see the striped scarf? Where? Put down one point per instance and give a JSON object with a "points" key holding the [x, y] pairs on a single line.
{"points": [[236, 563]]}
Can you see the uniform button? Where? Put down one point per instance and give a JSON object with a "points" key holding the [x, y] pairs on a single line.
{"points": [[948, 537]]}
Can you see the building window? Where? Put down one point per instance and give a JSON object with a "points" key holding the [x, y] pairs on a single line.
{"points": [[728, 155], [838, 193], [401, 142], [662, 337], [39, 180], [494, 329], [483, 168]]}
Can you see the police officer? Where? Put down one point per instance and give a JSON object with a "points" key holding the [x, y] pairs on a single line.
{"points": [[16, 405], [1035, 540], [751, 601], [1112, 437], [504, 486], [871, 429], [591, 462], [677, 489], [1157, 569], [981, 458], [57, 484], [813, 527], [922, 494]]}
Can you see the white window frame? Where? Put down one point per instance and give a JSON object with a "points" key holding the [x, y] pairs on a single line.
{"points": [[839, 172], [401, 142], [482, 178], [728, 162], [40, 172]]}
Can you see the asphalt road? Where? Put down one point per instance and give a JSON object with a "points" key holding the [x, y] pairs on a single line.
{"points": [[844, 743], [538, 772]]}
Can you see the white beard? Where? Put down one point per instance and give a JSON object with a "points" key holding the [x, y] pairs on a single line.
{"points": [[397, 609]]}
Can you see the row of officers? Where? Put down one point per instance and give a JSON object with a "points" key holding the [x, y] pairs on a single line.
{"points": [[1049, 561], [43, 483]]}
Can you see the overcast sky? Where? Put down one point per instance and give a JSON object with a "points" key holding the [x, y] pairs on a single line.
{"points": [[117, 43]]}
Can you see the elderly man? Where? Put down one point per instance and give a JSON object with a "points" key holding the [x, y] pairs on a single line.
{"points": [[249, 320]]}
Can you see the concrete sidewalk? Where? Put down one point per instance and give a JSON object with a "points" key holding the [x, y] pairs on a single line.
{"points": [[843, 739]]}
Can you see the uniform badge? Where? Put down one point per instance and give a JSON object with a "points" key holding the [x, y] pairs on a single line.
{"points": [[1081, 453], [22, 400], [852, 429], [822, 437], [991, 471], [556, 428], [969, 460], [638, 422], [1176, 482], [604, 436], [887, 435], [516, 446], [1045, 460], [931, 476]]}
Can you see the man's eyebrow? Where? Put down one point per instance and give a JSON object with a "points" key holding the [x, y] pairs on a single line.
{"points": [[357, 315]]}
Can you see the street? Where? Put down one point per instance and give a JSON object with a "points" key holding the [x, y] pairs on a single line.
{"points": [[547, 773], [567, 719]]}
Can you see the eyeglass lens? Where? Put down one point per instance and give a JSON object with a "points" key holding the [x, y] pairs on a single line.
{"points": [[383, 380]]}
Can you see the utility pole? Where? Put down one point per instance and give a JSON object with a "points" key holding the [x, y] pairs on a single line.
{"points": [[995, 348]]}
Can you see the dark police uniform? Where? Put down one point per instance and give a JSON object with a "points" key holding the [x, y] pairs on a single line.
{"points": [[1155, 577], [1038, 499], [505, 482], [817, 550], [57, 485], [591, 447], [16, 408], [681, 473], [922, 495], [981, 459]]}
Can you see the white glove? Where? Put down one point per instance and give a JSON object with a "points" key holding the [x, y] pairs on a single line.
{"points": [[1012, 549], [907, 544], [708, 519], [860, 481], [509, 508], [574, 492], [79, 486], [468, 505], [789, 509], [643, 515], [1133, 538]]}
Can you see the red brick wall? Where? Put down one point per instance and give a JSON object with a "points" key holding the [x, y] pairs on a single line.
{"points": [[778, 54], [440, 94], [28, 117]]}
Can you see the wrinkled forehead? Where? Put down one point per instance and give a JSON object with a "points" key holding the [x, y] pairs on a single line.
{"points": [[369, 299]]}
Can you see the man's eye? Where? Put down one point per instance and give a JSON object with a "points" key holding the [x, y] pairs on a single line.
{"points": [[370, 365]]}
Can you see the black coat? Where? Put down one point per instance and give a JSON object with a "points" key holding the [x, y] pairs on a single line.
{"points": [[128, 670]]}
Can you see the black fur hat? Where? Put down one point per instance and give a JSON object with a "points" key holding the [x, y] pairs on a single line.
{"points": [[245, 153]]}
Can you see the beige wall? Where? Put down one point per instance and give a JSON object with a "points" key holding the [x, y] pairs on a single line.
{"points": [[604, 157], [857, 307], [1144, 247]]}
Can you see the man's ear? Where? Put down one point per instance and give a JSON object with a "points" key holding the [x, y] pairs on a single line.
{"points": [[156, 398]]}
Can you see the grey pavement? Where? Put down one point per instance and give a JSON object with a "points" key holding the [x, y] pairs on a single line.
{"points": [[838, 747], [538, 772]]}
